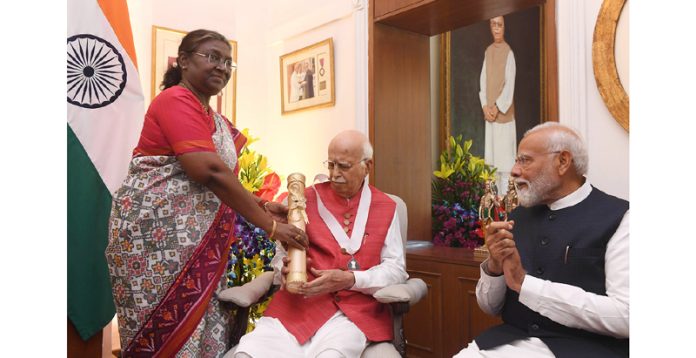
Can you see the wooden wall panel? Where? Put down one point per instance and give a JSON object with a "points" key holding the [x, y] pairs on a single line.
{"points": [[424, 320], [449, 316], [438, 16], [400, 122], [386, 7]]}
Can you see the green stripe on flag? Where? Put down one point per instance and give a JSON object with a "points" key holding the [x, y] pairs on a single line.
{"points": [[90, 303]]}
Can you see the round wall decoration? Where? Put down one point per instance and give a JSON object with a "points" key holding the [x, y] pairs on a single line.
{"points": [[604, 62]]}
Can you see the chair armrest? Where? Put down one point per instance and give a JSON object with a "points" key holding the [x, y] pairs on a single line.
{"points": [[412, 291], [249, 293]]}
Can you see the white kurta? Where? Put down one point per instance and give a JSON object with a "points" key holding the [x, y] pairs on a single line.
{"points": [[566, 304], [501, 138]]}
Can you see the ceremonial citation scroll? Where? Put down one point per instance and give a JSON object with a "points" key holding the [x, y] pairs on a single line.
{"points": [[297, 203]]}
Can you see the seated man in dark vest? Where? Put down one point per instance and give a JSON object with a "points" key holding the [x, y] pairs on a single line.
{"points": [[355, 248], [558, 270]]}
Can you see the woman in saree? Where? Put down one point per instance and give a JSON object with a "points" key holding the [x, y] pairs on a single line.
{"points": [[172, 221]]}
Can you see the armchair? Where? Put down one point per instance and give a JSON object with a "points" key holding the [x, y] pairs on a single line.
{"points": [[399, 297]]}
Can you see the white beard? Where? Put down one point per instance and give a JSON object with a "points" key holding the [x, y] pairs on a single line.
{"points": [[536, 190]]}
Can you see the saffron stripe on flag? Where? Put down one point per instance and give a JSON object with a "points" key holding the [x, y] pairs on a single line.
{"points": [[105, 116]]}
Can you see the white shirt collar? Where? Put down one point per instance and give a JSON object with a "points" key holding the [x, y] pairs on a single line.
{"points": [[573, 198]]}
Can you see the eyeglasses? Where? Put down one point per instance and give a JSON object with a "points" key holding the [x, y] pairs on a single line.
{"points": [[217, 60], [330, 165], [526, 160]]}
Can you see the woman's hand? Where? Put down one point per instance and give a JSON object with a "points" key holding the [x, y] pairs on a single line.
{"points": [[291, 235], [278, 211]]}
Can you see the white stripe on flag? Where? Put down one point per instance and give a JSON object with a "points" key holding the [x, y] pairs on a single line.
{"points": [[108, 133]]}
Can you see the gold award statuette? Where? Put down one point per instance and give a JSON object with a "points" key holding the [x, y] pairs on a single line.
{"points": [[297, 203], [510, 201], [489, 208]]}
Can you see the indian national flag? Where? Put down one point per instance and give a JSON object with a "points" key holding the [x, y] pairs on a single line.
{"points": [[105, 116]]}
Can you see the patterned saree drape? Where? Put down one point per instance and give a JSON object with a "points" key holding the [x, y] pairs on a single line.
{"points": [[168, 246]]}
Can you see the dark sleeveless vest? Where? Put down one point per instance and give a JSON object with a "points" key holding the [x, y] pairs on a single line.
{"points": [[542, 237]]}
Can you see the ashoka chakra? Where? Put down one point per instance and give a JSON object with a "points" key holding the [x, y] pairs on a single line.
{"points": [[96, 71]]}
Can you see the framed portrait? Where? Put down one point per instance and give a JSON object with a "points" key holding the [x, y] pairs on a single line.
{"points": [[165, 44], [467, 85], [307, 78]]}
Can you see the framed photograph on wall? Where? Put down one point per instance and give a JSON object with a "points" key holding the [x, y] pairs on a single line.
{"points": [[492, 86], [462, 81], [307, 78], [165, 44]]}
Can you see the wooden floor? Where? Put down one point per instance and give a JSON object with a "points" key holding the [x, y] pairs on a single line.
{"points": [[92, 348]]}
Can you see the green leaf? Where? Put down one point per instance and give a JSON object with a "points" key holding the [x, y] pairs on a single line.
{"points": [[467, 145]]}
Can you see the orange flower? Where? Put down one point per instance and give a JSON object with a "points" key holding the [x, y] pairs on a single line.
{"points": [[270, 186]]}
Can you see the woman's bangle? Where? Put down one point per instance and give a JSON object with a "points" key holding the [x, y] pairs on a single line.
{"points": [[275, 224]]}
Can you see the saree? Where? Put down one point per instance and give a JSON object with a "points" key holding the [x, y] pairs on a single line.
{"points": [[169, 239]]}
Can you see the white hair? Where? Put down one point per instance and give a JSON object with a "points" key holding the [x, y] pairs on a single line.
{"points": [[564, 138], [367, 150]]}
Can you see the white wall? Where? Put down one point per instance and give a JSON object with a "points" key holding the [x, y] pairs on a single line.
{"points": [[297, 142], [181, 15], [581, 105], [265, 30]]}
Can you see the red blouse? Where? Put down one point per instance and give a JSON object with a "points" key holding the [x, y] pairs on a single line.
{"points": [[175, 123]]}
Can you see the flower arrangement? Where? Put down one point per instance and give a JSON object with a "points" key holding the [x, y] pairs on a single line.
{"points": [[456, 191], [252, 253]]}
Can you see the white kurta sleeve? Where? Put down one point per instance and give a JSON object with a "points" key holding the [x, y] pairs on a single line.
{"points": [[504, 101], [574, 307], [490, 292], [482, 84], [392, 268], [277, 263]]}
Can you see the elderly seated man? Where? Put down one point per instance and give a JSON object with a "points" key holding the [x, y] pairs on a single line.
{"points": [[355, 248], [558, 270]]}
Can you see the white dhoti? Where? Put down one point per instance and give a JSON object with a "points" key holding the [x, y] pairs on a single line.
{"points": [[501, 150], [338, 337]]}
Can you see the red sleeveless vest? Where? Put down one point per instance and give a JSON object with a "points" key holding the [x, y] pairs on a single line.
{"points": [[304, 316]]}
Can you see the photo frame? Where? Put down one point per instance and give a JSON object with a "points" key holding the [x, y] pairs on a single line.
{"points": [[165, 45], [531, 35], [307, 78]]}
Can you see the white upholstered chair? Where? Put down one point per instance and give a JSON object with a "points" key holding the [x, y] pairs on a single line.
{"points": [[399, 297]]}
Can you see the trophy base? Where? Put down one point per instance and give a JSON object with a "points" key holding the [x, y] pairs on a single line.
{"points": [[294, 281]]}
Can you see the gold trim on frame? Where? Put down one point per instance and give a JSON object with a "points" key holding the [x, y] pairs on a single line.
{"points": [[604, 62], [331, 101], [445, 112]]}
